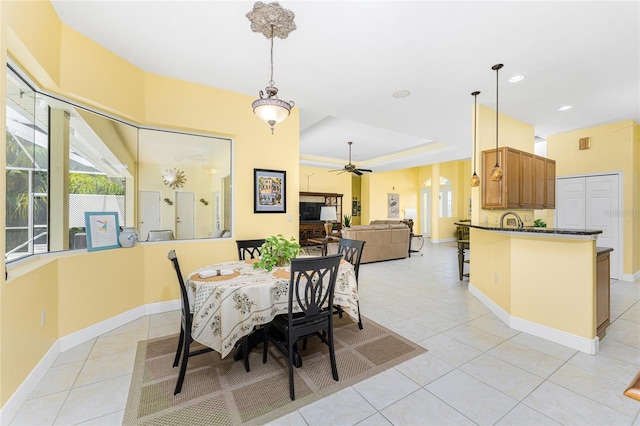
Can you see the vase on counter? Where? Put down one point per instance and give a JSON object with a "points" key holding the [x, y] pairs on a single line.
{"points": [[128, 237]]}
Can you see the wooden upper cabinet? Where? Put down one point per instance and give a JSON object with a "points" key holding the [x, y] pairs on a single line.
{"points": [[528, 181], [550, 190], [540, 186], [493, 195]]}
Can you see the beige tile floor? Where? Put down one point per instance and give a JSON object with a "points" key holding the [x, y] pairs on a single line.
{"points": [[477, 370]]}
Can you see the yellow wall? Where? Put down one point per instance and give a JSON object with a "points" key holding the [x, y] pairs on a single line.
{"points": [[614, 148], [402, 182], [70, 287]]}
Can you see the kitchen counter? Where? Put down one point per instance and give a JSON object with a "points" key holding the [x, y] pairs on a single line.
{"points": [[541, 232], [537, 231], [540, 280]]}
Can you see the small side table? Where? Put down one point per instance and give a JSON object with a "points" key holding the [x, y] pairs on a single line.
{"points": [[324, 242]]}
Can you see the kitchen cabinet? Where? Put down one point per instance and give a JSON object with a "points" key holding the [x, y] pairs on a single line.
{"points": [[528, 181]]}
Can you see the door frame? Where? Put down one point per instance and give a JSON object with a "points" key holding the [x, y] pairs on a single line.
{"points": [[425, 220], [619, 216]]}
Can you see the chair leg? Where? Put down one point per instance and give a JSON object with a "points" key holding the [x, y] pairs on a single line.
{"points": [[359, 317], [183, 365], [332, 354], [245, 352], [180, 341], [265, 346], [292, 392]]}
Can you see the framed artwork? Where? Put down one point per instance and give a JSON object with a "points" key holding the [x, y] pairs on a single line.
{"points": [[102, 230], [269, 191], [394, 206]]}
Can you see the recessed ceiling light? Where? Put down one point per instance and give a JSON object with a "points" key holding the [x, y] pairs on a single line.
{"points": [[401, 94], [565, 108], [516, 78]]}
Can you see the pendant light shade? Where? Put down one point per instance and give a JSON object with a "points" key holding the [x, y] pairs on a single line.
{"points": [[496, 173], [475, 180]]}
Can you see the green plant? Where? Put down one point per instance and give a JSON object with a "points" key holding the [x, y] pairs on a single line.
{"points": [[277, 251], [539, 223], [346, 221]]}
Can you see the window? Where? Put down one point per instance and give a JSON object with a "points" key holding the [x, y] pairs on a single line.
{"points": [[64, 160], [445, 197], [27, 151]]}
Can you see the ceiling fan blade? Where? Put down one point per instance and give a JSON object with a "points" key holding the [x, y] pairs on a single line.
{"points": [[357, 172], [366, 170]]}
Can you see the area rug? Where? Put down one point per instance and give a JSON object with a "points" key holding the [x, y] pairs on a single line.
{"points": [[220, 392]]}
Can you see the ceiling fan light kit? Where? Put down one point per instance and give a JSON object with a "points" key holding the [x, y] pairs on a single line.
{"points": [[351, 168], [272, 20]]}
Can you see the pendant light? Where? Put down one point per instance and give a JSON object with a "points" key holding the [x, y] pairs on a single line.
{"points": [[496, 173], [272, 20], [475, 180]]}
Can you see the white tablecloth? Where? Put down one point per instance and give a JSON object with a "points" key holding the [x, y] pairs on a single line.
{"points": [[226, 308]]}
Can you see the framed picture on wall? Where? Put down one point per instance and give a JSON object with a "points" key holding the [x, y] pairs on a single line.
{"points": [[269, 191], [102, 230], [394, 206]]}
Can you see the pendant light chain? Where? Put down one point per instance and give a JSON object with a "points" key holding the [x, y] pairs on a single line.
{"points": [[497, 70], [475, 180], [271, 82]]}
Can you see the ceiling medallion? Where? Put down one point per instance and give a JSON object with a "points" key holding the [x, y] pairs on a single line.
{"points": [[174, 178], [271, 20]]}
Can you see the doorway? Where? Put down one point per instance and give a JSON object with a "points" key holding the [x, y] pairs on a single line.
{"points": [[185, 215], [593, 202], [149, 209]]}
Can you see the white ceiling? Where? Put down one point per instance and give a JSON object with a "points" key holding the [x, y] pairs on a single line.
{"points": [[346, 58]]}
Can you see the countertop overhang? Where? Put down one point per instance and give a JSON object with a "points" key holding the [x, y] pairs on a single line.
{"points": [[539, 232]]}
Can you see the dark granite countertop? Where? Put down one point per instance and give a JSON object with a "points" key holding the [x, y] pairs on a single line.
{"points": [[532, 230]]}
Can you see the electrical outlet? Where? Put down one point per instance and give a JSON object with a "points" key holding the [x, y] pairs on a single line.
{"points": [[495, 277], [43, 317], [527, 218]]}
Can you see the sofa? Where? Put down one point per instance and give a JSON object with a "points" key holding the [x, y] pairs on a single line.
{"points": [[383, 241]]}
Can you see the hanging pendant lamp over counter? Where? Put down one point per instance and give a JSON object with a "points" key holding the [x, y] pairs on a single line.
{"points": [[496, 173], [475, 180]]}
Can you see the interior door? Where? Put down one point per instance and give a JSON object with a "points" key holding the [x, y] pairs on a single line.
{"points": [[149, 211], [591, 202], [571, 205], [601, 203], [185, 215]]}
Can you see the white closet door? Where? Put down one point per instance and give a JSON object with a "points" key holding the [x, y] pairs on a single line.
{"points": [[571, 200], [592, 202], [602, 213]]}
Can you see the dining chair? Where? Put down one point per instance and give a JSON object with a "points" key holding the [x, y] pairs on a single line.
{"points": [[185, 328], [310, 310], [249, 248], [351, 250]]}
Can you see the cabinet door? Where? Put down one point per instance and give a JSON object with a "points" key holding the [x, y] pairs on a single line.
{"points": [[550, 186], [527, 181], [540, 182], [493, 196], [512, 178]]}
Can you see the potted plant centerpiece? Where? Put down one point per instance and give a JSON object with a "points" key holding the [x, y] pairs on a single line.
{"points": [[277, 251]]}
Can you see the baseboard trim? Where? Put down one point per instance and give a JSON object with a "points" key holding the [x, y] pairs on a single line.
{"points": [[582, 344], [20, 396]]}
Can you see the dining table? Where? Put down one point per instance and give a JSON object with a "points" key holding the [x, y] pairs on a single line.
{"points": [[230, 299]]}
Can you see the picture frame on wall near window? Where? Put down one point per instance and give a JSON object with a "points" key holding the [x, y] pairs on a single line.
{"points": [[269, 191], [102, 230]]}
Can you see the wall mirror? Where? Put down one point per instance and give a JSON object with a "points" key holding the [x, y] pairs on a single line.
{"points": [[184, 189]]}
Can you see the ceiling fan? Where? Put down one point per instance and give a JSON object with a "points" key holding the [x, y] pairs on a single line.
{"points": [[351, 167]]}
